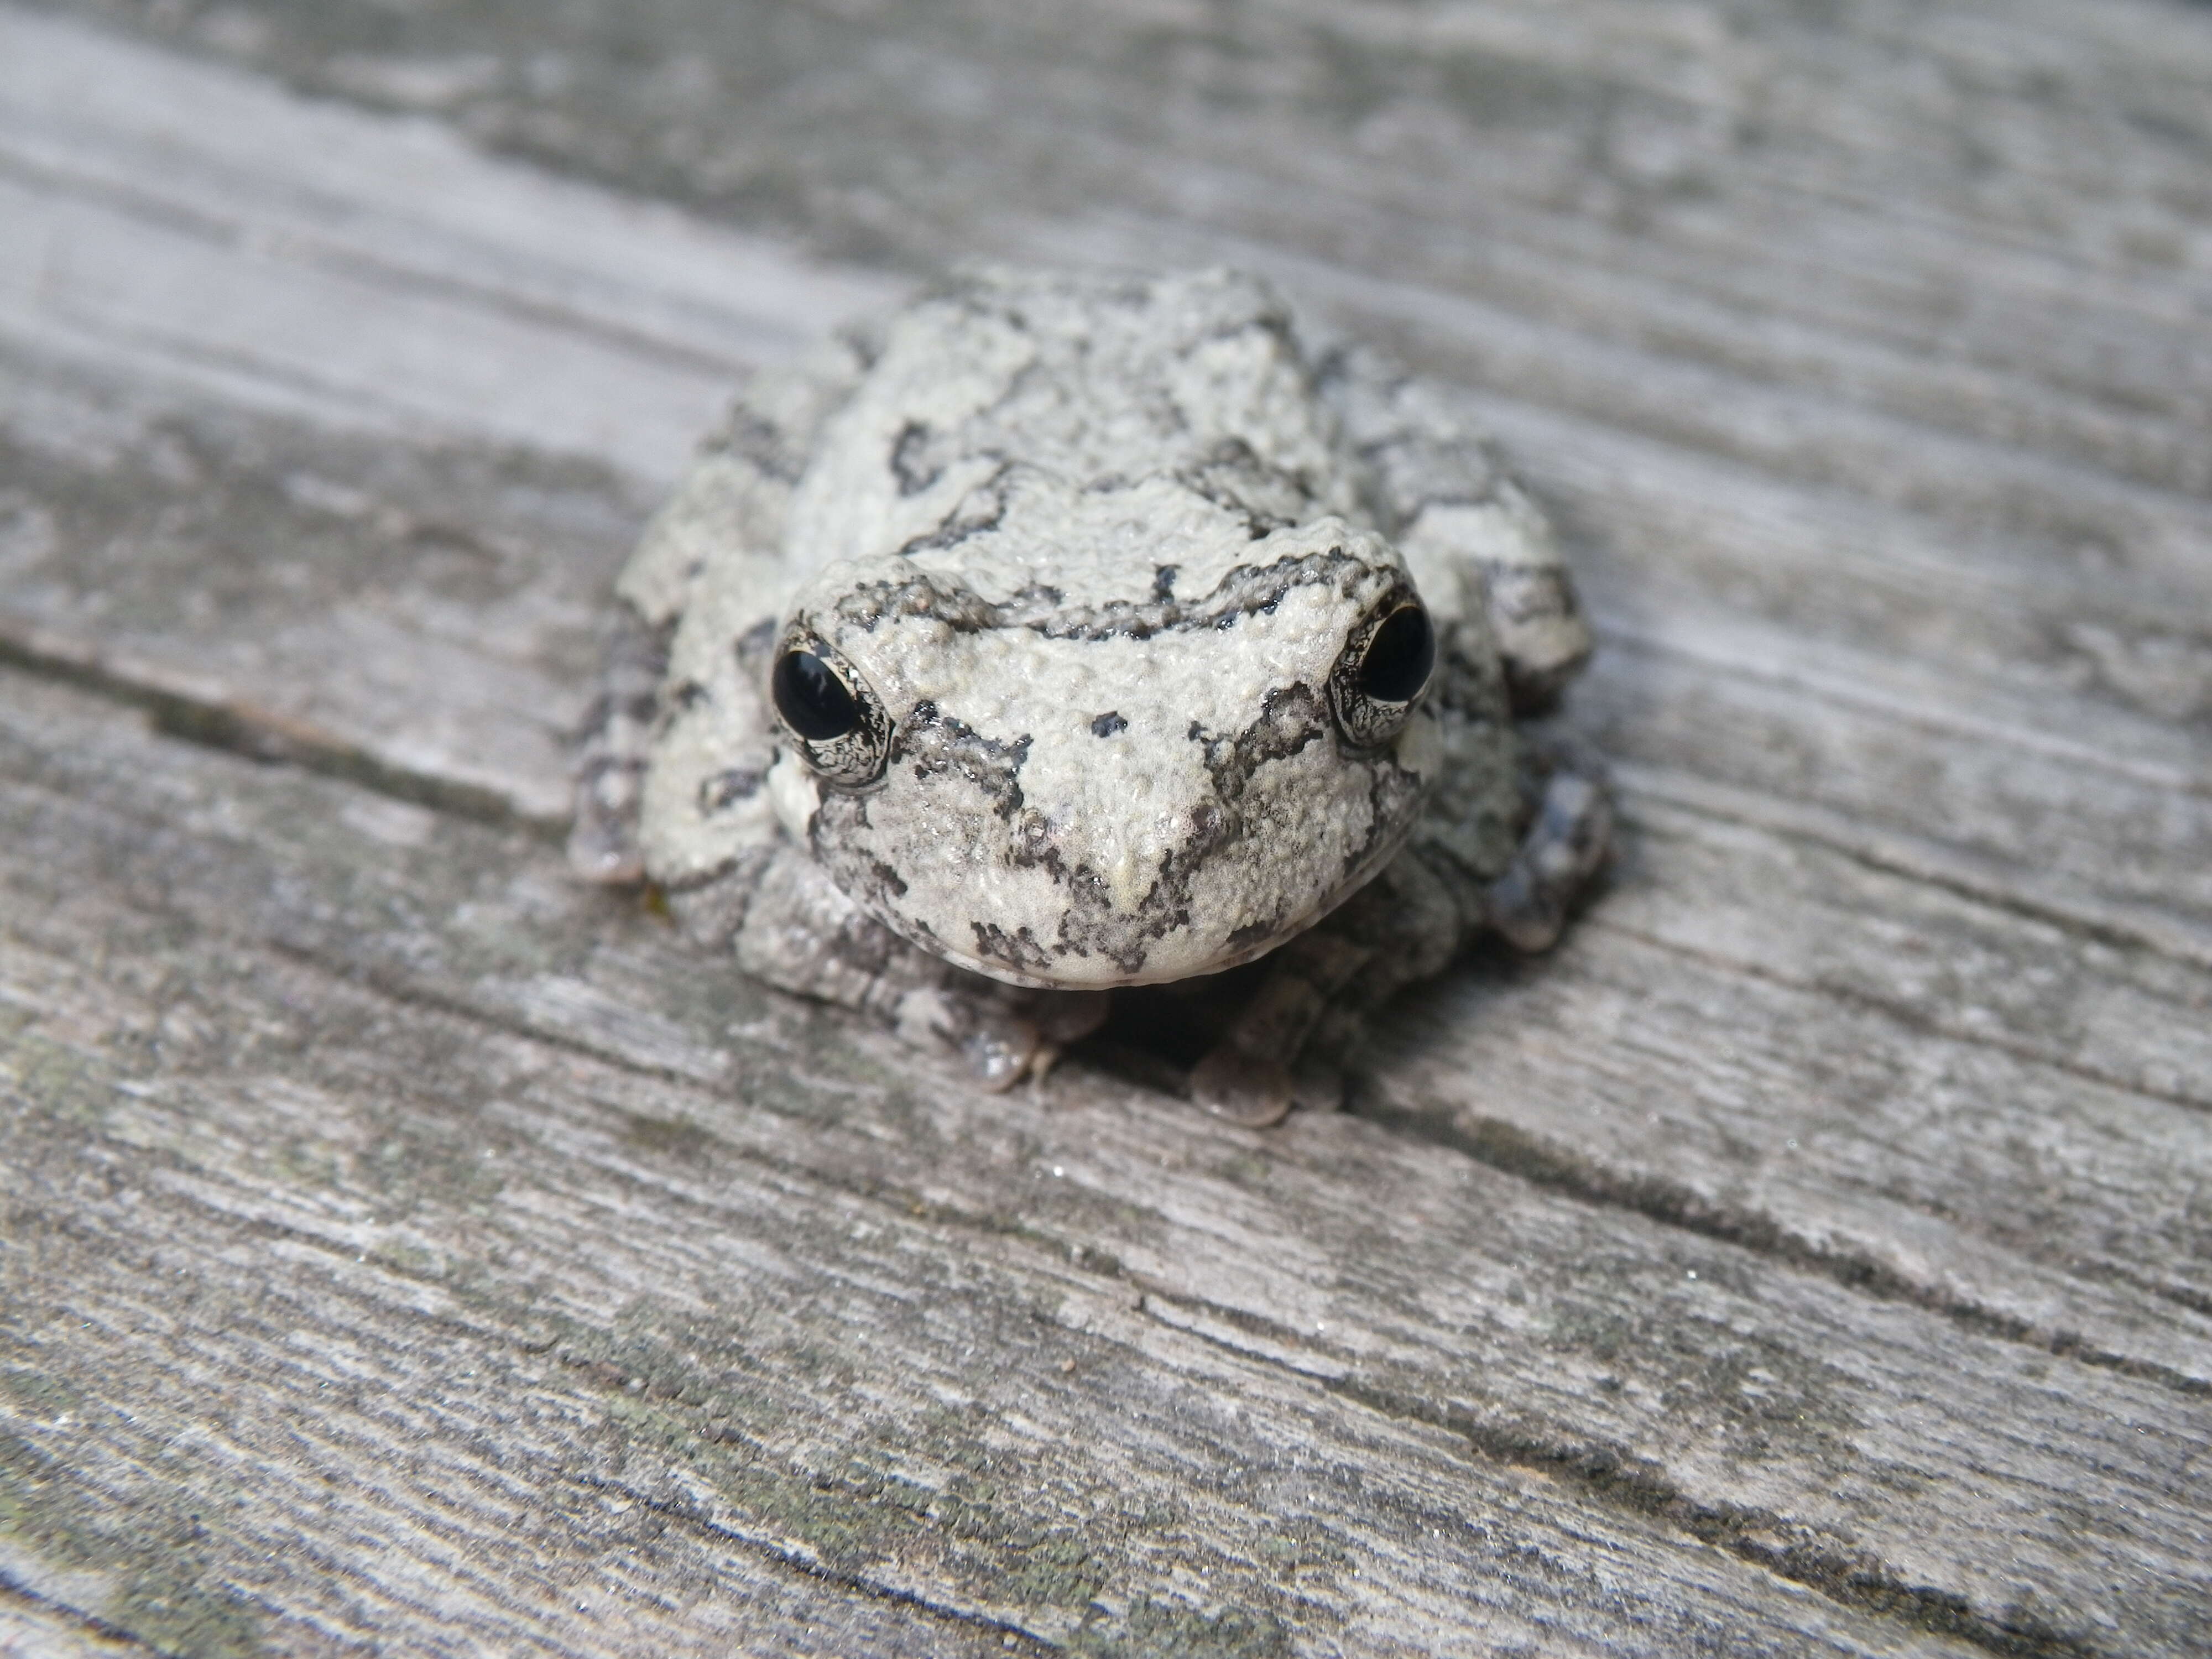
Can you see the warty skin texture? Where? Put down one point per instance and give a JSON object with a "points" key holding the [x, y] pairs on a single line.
{"points": [[1090, 569]]}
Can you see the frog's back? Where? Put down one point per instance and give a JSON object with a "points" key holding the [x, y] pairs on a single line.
{"points": [[1188, 393]]}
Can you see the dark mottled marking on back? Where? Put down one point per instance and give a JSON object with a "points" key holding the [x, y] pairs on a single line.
{"points": [[864, 944], [753, 647], [1242, 592], [1232, 475], [1108, 724], [1518, 594], [638, 704], [925, 593], [751, 437], [1246, 590], [982, 509]]}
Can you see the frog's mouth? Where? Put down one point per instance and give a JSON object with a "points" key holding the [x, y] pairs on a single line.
{"points": [[961, 854]]}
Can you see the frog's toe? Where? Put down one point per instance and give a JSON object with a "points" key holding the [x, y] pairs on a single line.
{"points": [[1242, 1089], [1001, 1052]]}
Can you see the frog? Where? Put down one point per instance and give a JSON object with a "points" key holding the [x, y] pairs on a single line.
{"points": [[1068, 634]]}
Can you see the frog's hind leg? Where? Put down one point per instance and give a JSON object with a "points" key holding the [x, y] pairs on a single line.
{"points": [[1287, 1045], [708, 572], [1472, 537], [1567, 843], [612, 752]]}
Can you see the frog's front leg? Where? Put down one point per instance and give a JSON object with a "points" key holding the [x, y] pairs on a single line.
{"points": [[1286, 1046], [790, 925]]}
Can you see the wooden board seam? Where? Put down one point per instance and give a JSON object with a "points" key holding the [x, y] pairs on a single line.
{"points": [[2133, 927], [261, 734], [1015, 1639], [121, 1640], [1511, 1150], [1792, 1551], [1494, 1143]]}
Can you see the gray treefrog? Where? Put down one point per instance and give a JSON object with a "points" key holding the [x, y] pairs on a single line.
{"points": [[1072, 633]]}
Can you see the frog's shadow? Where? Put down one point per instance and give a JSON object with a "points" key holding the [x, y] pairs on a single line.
{"points": [[1154, 1034]]}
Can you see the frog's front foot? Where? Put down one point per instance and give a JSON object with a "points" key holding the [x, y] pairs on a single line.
{"points": [[1001, 1035], [1279, 1051], [1251, 1090], [1566, 845], [1255, 1092]]}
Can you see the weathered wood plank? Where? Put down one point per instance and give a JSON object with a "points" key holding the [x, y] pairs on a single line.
{"points": [[31, 1629], [435, 611], [1861, 351], [1822, 181], [431, 611], [189, 221], [1786, 1417], [309, 1235]]}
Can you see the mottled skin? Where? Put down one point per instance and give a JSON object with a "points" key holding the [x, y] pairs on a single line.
{"points": [[1100, 563]]}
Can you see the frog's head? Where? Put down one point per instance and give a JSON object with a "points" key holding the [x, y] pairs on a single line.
{"points": [[1068, 784]]}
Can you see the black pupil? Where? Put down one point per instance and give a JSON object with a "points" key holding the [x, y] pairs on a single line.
{"points": [[1399, 657], [813, 700]]}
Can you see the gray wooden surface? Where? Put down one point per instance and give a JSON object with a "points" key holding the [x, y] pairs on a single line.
{"points": [[403, 1250]]}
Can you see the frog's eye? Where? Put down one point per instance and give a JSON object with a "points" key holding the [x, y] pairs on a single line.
{"points": [[1395, 665], [812, 700], [834, 719], [1385, 666]]}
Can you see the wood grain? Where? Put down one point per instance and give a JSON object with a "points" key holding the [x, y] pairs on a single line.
{"points": [[340, 1139], [403, 1248]]}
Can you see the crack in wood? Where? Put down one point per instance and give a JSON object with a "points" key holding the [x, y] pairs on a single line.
{"points": [[1790, 1549], [811, 1566], [122, 1641], [1514, 1151], [1859, 1581], [265, 736], [1893, 1009], [2104, 923]]}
